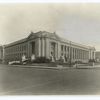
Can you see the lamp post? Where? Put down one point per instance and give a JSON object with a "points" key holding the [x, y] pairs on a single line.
{"points": [[3, 55], [70, 53]]}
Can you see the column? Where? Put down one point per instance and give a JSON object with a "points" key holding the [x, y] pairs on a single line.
{"points": [[59, 50], [94, 54], [42, 46], [28, 49], [74, 53], [89, 54], [71, 53], [56, 54], [39, 47], [80, 54], [47, 46], [77, 54], [86, 55], [67, 51], [83, 54]]}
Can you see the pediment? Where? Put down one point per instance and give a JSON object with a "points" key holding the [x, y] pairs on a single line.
{"points": [[43, 34], [54, 36], [31, 36]]}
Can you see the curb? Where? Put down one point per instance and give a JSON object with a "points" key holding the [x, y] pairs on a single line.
{"points": [[41, 67], [54, 67]]}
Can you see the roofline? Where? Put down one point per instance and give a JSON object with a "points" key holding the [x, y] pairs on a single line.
{"points": [[62, 40], [16, 42]]}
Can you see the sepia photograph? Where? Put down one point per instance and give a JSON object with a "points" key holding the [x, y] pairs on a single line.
{"points": [[49, 49]]}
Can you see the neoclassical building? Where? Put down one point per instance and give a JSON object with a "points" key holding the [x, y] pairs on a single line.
{"points": [[45, 44]]}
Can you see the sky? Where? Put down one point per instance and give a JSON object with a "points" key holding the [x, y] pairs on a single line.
{"points": [[78, 22]]}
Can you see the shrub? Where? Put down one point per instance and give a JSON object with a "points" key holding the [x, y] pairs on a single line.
{"points": [[91, 60], [78, 62], [41, 60], [0, 60]]}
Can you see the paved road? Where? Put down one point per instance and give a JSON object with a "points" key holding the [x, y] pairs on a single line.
{"points": [[35, 81]]}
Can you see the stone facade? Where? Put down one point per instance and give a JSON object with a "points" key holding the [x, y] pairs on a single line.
{"points": [[45, 44], [97, 56]]}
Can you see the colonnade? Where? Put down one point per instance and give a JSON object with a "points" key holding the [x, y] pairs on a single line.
{"points": [[43, 49], [75, 53]]}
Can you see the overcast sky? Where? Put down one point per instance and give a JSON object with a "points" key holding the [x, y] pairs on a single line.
{"points": [[76, 22]]}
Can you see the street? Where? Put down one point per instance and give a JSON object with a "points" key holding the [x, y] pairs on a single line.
{"points": [[35, 81]]}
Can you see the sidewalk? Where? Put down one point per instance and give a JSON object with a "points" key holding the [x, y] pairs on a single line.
{"points": [[58, 67], [97, 66], [89, 66]]}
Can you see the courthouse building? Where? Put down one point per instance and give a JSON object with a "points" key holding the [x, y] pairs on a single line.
{"points": [[45, 44]]}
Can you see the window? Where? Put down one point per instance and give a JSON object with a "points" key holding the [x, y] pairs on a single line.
{"points": [[65, 48], [33, 47], [24, 47], [61, 47]]}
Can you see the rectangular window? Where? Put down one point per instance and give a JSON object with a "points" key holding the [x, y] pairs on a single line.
{"points": [[33, 47], [65, 48], [61, 47]]}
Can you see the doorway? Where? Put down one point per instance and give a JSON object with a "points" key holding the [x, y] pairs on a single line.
{"points": [[33, 48], [53, 49]]}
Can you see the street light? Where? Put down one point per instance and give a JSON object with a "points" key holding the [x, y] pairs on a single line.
{"points": [[70, 53]]}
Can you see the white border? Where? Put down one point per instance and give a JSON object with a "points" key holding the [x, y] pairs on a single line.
{"points": [[49, 1], [50, 97]]}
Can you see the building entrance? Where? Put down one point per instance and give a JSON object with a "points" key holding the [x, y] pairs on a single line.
{"points": [[33, 48], [53, 49]]}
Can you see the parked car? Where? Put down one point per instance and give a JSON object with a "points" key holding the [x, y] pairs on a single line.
{"points": [[14, 63]]}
